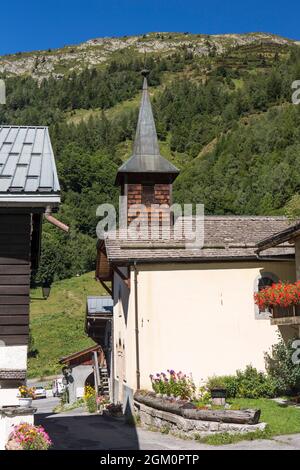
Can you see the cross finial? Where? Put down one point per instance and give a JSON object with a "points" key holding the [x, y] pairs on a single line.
{"points": [[145, 73]]}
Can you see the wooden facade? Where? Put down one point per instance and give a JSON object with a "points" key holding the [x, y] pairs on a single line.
{"points": [[15, 270]]}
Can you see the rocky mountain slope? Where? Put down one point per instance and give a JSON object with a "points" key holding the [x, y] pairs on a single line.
{"points": [[98, 52], [223, 112]]}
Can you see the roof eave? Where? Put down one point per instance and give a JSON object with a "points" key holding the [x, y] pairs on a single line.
{"points": [[121, 174], [281, 237], [34, 200], [192, 260]]}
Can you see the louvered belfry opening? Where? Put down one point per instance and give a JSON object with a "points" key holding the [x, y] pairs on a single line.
{"points": [[147, 177]]}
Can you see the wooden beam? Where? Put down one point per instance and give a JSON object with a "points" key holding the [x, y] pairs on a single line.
{"points": [[124, 278], [105, 286], [285, 321], [15, 340], [14, 320]]}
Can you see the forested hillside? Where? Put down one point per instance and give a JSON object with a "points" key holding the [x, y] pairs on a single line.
{"points": [[223, 112]]}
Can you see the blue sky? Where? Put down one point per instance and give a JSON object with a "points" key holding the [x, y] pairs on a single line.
{"points": [[32, 24]]}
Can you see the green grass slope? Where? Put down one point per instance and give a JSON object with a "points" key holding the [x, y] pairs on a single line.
{"points": [[57, 324]]}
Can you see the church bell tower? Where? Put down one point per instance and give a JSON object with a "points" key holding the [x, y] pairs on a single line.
{"points": [[147, 177]]}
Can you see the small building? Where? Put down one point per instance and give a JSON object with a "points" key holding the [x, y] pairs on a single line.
{"points": [[86, 367]]}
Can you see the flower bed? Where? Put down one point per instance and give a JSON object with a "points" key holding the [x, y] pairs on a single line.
{"points": [[189, 410], [176, 404], [166, 413], [175, 384], [28, 437]]}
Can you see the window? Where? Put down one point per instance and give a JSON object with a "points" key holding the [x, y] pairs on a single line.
{"points": [[148, 195], [263, 280]]}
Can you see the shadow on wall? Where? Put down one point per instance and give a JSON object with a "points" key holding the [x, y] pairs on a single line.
{"points": [[90, 432]]}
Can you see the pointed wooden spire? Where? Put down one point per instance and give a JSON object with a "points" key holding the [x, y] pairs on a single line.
{"points": [[146, 156]]}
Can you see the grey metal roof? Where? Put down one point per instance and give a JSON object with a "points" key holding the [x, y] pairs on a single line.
{"points": [[27, 165], [146, 156], [103, 304]]}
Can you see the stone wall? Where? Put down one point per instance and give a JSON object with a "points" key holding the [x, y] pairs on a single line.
{"points": [[78, 377], [162, 420]]}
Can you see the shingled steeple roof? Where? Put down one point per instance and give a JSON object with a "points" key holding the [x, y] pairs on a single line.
{"points": [[146, 156]]}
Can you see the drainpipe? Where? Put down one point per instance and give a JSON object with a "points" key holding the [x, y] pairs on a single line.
{"points": [[49, 217], [137, 347], [96, 373], [111, 351]]}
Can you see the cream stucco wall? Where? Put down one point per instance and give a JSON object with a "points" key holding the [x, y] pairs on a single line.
{"points": [[198, 318], [9, 396], [13, 357], [297, 257]]}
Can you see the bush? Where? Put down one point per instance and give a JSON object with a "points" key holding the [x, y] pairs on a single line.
{"points": [[90, 399], [91, 404], [254, 384], [282, 369], [245, 384]]}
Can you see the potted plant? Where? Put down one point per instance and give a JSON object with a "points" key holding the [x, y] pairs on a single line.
{"points": [[218, 396], [26, 396], [115, 409], [283, 299], [217, 389], [102, 402]]}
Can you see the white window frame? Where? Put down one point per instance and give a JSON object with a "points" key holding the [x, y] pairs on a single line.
{"points": [[266, 314]]}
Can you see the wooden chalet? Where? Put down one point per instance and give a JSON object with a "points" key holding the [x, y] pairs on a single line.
{"points": [[29, 187]]}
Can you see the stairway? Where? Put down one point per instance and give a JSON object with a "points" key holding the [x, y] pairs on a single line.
{"points": [[104, 381]]}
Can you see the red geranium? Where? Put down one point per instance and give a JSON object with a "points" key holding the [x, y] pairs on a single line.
{"points": [[280, 294]]}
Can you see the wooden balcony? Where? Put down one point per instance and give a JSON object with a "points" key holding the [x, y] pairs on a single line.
{"points": [[99, 313], [286, 315]]}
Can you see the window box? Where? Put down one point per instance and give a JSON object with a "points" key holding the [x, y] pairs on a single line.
{"points": [[285, 315]]}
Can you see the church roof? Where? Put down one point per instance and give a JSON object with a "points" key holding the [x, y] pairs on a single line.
{"points": [[226, 238], [146, 156]]}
